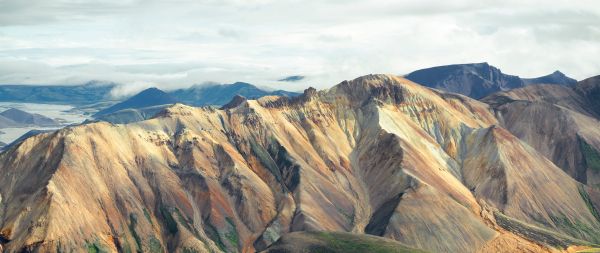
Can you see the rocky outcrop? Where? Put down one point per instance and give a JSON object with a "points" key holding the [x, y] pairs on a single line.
{"points": [[378, 155]]}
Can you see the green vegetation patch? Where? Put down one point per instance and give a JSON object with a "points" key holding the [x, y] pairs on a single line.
{"points": [[591, 156], [534, 233], [232, 234], [154, 245], [592, 250], [265, 159], [169, 220], [148, 217], [189, 250], [93, 248], [132, 225], [588, 202], [577, 228], [348, 243], [213, 234]]}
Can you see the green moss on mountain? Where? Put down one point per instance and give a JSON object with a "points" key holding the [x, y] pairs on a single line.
{"points": [[169, 220], [132, 224], [334, 242], [590, 155]]}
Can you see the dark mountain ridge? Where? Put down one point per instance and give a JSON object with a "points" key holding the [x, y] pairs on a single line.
{"points": [[478, 80]]}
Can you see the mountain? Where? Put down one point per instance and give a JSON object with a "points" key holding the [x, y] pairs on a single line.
{"points": [[146, 98], [560, 122], [477, 80], [201, 95], [24, 118], [377, 155], [88, 93]]}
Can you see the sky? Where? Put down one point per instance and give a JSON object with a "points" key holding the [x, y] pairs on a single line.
{"points": [[178, 43]]}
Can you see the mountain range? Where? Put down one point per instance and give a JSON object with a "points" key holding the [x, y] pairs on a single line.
{"points": [[99, 92], [380, 155]]}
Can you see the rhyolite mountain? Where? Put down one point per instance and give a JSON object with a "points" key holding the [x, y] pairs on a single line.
{"points": [[478, 80], [378, 155], [560, 122]]}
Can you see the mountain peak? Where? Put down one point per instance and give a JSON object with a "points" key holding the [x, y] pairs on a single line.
{"points": [[555, 77], [235, 102], [148, 97], [151, 91]]}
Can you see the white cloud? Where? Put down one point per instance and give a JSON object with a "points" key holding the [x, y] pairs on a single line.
{"points": [[178, 43]]}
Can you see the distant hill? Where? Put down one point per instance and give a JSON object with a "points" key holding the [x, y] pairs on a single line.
{"points": [[6, 122], [146, 98], [88, 93], [24, 118], [222, 94], [478, 80]]}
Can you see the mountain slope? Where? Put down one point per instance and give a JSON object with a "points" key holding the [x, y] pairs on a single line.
{"points": [[560, 95], [146, 98], [559, 122], [590, 90], [478, 80], [378, 155]]}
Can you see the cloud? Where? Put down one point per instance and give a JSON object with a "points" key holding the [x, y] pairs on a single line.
{"points": [[295, 78], [179, 43]]}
